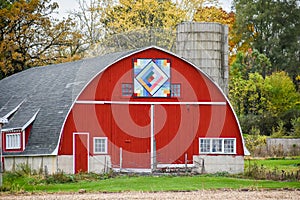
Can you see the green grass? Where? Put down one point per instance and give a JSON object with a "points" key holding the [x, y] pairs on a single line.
{"points": [[286, 164], [152, 183], [16, 182]]}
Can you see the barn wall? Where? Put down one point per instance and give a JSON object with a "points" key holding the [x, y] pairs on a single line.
{"points": [[177, 127], [45, 163], [214, 164]]}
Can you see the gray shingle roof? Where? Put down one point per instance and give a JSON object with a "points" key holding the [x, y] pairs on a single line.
{"points": [[50, 91]]}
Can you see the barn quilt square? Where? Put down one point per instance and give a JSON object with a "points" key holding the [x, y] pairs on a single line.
{"points": [[151, 77]]}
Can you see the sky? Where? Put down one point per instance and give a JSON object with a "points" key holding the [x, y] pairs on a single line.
{"points": [[68, 5]]}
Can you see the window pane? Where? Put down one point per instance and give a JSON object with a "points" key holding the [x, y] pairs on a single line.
{"points": [[100, 145], [229, 146], [13, 141], [217, 145], [205, 145]]}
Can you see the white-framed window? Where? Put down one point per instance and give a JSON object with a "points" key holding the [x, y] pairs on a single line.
{"points": [[13, 141], [205, 145], [217, 145], [175, 90], [100, 145], [229, 145]]}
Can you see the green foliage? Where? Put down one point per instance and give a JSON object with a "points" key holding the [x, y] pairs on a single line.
{"points": [[279, 131], [296, 127], [254, 140], [273, 28], [281, 93], [268, 104]]}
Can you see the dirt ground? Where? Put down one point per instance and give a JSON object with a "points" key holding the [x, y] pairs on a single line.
{"points": [[203, 194]]}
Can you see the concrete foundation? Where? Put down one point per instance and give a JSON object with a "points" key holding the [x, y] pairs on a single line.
{"points": [[97, 164], [38, 163], [214, 164]]}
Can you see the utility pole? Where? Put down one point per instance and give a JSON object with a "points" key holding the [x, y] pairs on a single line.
{"points": [[2, 122]]}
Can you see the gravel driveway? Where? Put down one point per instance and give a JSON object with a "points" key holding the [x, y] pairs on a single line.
{"points": [[203, 194]]}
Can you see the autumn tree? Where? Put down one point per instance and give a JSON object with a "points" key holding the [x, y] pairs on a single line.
{"points": [[30, 37], [273, 28], [136, 23], [192, 7]]}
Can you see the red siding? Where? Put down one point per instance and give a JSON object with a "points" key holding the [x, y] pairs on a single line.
{"points": [[177, 127], [5, 142]]}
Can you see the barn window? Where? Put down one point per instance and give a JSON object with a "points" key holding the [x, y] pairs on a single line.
{"points": [[175, 90], [100, 145], [229, 145], [13, 141], [127, 89], [205, 145], [217, 145]]}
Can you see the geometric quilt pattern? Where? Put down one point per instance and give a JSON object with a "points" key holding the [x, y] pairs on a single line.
{"points": [[151, 78]]}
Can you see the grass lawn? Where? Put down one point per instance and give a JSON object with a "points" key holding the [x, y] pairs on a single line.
{"points": [[286, 164], [153, 183], [29, 183]]}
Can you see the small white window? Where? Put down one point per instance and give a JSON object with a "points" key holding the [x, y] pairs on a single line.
{"points": [[13, 141], [229, 145], [217, 145], [204, 145], [100, 145]]}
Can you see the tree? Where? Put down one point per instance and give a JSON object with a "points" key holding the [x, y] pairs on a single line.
{"points": [[192, 7], [251, 62], [135, 14], [281, 94], [273, 28], [133, 24], [247, 95], [89, 24], [30, 37]]}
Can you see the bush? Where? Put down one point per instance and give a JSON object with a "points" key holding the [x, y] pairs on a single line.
{"points": [[255, 142], [264, 123], [279, 131], [296, 127]]}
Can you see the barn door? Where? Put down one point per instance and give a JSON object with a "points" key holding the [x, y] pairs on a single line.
{"points": [[175, 137], [81, 152]]}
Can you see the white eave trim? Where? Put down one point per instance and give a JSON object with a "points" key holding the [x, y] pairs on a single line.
{"points": [[152, 102], [30, 120], [24, 126], [3, 121], [13, 110]]}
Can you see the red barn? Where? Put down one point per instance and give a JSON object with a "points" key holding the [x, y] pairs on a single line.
{"points": [[140, 110]]}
